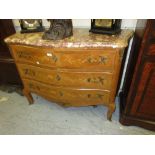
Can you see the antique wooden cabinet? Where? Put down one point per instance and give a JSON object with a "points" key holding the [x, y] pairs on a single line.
{"points": [[78, 71], [138, 96], [8, 71]]}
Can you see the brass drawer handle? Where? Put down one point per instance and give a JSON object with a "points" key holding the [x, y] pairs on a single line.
{"points": [[53, 56], [96, 80], [103, 59], [29, 72], [100, 60], [58, 77], [89, 95], [61, 93]]}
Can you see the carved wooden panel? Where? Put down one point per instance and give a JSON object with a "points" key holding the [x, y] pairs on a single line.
{"points": [[144, 102], [74, 97], [84, 59], [67, 77]]}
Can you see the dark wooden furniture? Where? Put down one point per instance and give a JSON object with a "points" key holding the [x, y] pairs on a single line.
{"points": [[78, 71], [8, 71], [138, 96]]}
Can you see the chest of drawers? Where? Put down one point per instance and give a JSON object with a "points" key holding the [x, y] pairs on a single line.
{"points": [[78, 71]]}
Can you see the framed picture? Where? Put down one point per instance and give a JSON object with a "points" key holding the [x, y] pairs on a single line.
{"points": [[105, 26]]}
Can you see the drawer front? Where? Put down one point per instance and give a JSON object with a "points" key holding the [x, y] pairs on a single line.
{"points": [[96, 80], [81, 58], [88, 59], [70, 97], [35, 55]]}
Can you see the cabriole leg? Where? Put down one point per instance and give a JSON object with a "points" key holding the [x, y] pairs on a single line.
{"points": [[28, 96], [110, 111]]}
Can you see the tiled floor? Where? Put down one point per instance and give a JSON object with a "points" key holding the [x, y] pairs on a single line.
{"points": [[43, 117]]}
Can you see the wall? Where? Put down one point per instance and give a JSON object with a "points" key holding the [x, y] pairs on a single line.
{"points": [[85, 23]]}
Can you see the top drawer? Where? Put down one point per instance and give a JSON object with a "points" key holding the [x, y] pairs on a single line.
{"points": [[34, 55], [98, 59]]}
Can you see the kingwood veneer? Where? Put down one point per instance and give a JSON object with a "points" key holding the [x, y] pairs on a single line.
{"points": [[78, 71]]}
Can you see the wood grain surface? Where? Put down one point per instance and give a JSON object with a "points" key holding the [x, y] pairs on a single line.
{"points": [[70, 76]]}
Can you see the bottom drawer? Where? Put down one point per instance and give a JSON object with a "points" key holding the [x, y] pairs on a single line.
{"points": [[68, 96]]}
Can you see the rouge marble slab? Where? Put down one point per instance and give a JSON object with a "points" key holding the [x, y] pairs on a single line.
{"points": [[81, 38]]}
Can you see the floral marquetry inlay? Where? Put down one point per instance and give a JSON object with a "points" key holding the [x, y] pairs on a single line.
{"points": [[80, 70], [24, 54], [99, 80], [99, 60]]}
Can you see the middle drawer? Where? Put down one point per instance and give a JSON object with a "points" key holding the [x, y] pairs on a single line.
{"points": [[68, 78]]}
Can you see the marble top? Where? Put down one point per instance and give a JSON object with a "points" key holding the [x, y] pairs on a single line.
{"points": [[81, 38]]}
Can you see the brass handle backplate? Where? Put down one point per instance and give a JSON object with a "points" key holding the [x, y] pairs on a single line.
{"points": [[58, 77], [96, 80], [61, 93], [100, 60], [29, 72], [53, 56]]}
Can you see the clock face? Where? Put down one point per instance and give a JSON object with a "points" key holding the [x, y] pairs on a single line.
{"points": [[103, 23], [30, 23]]}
